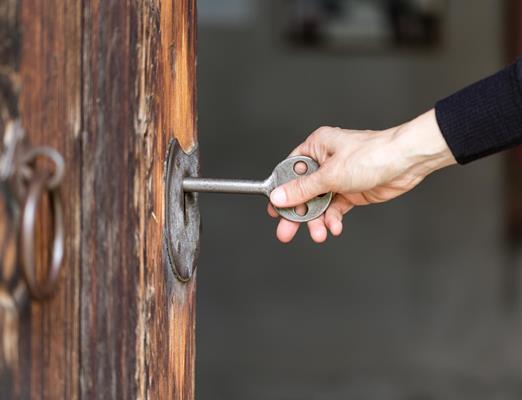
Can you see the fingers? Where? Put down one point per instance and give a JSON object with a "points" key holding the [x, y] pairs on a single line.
{"points": [[271, 210], [300, 190], [318, 145], [286, 230], [331, 220], [334, 221], [301, 150], [334, 215], [317, 230]]}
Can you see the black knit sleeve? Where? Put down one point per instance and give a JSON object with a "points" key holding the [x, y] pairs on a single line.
{"points": [[483, 118]]}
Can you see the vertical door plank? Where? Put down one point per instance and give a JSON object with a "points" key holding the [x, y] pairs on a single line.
{"points": [[111, 188], [168, 99], [139, 93], [50, 103], [48, 75]]}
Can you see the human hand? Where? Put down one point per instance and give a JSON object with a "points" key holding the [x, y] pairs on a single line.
{"points": [[360, 168]]}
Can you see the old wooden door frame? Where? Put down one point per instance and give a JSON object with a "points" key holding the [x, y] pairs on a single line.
{"points": [[108, 84]]}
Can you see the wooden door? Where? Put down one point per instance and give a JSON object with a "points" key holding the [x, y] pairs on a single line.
{"points": [[108, 83]]}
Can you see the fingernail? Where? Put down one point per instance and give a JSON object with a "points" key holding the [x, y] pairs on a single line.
{"points": [[278, 196]]}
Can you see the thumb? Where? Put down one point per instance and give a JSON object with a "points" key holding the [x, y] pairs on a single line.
{"points": [[299, 191]]}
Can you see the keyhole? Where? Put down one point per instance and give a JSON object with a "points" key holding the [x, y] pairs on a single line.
{"points": [[301, 210], [300, 168]]}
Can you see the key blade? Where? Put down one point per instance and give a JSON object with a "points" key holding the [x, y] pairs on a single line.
{"points": [[235, 186]]}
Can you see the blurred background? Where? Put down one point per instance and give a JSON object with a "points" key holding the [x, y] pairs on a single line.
{"points": [[419, 297]]}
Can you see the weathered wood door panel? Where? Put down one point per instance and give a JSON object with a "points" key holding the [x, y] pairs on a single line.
{"points": [[108, 84]]}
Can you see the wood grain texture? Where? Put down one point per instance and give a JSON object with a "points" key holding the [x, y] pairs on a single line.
{"points": [[139, 92], [110, 218], [109, 83], [177, 58], [167, 109], [134, 313], [46, 72], [50, 108]]}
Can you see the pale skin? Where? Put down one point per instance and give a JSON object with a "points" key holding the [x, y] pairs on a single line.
{"points": [[361, 168]]}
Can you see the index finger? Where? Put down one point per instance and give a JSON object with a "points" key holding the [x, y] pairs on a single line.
{"points": [[317, 145]]}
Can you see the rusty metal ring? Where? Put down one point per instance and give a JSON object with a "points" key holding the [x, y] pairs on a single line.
{"points": [[37, 188], [43, 151]]}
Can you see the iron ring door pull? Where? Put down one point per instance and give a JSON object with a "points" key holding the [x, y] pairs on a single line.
{"points": [[38, 187]]}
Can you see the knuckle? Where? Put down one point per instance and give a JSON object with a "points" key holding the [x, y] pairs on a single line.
{"points": [[324, 134], [319, 136], [323, 130]]}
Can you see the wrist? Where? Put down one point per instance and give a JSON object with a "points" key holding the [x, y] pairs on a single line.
{"points": [[421, 145]]}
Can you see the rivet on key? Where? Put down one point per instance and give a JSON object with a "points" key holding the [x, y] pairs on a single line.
{"points": [[287, 170]]}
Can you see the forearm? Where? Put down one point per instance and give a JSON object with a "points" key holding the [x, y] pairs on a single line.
{"points": [[420, 146]]}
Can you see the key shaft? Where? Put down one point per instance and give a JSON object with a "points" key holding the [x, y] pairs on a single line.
{"points": [[239, 186]]}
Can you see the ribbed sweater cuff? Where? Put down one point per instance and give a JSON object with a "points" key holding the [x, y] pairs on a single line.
{"points": [[483, 118]]}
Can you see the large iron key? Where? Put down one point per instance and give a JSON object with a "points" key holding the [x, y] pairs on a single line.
{"points": [[285, 171]]}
